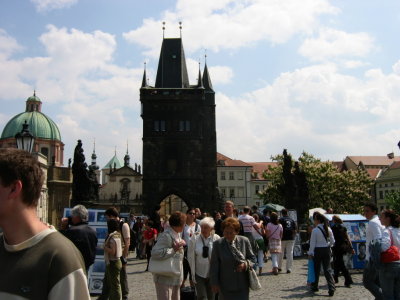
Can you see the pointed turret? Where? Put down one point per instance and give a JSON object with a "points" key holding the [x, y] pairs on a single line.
{"points": [[94, 165], [199, 80], [126, 157], [172, 71], [206, 79], [144, 80]]}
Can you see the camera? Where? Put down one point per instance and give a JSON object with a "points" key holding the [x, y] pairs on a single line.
{"points": [[205, 251]]}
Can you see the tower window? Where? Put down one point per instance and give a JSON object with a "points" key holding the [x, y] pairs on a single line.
{"points": [[159, 125], [184, 125], [231, 176], [222, 175]]}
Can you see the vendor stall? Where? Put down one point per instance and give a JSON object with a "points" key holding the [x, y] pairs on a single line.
{"points": [[356, 226]]}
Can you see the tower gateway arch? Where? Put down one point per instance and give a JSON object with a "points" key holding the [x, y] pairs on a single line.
{"points": [[179, 136]]}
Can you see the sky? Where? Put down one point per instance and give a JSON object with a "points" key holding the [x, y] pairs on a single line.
{"points": [[313, 75]]}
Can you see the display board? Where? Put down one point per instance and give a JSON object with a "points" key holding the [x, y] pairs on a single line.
{"points": [[98, 221], [356, 226]]}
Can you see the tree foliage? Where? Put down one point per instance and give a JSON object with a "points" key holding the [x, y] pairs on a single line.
{"points": [[328, 187], [393, 200]]}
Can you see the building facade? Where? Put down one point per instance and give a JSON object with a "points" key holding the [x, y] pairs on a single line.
{"points": [[241, 182], [388, 180]]}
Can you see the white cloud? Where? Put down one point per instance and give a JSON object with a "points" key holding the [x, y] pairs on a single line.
{"points": [[47, 5], [8, 44], [332, 43], [353, 64], [82, 90], [396, 68], [316, 109], [231, 24], [219, 74]]}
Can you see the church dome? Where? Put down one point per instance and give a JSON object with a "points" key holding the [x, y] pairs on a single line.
{"points": [[40, 125]]}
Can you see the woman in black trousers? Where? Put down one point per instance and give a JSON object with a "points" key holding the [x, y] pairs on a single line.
{"points": [[342, 246], [321, 242]]}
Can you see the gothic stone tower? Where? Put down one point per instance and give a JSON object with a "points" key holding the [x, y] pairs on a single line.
{"points": [[179, 137]]}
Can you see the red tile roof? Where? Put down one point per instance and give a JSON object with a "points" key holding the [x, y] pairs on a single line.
{"points": [[373, 173], [374, 160], [229, 162], [395, 165]]}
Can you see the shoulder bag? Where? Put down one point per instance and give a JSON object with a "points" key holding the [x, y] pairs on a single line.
{"points": [[254, 283], [391, 254], [170, 266]]}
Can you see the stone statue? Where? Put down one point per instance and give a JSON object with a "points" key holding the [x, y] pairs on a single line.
{"points": [[85, 188]]}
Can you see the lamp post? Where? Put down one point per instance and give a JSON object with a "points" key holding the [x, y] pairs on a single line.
{"points": [[25, 139]]}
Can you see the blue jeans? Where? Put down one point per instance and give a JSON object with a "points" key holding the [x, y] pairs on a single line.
{"points": [[389, 277], [371, 281]]}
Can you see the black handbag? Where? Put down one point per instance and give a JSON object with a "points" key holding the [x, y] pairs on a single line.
{"points": [[188, 293]]}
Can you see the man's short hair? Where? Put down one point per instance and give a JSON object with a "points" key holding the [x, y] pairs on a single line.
{"points": [[20, 165], [246, 209], [112, 212], [81, 212], [230, 202], [284, 212], [371, 206]]}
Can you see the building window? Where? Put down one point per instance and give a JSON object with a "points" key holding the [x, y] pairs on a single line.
{"points": [[380, 194], [223, 192], [231, 175], [392, 184], [184, 125], [159, 125], [257, 188], [231, 193], [222, 175], [240, 175], [386, 185]]}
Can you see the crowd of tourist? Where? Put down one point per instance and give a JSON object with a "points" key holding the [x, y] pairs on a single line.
{"points": [[216, 255]]}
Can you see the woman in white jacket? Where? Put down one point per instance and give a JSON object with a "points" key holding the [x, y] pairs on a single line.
{"points": [[389, 273], [199, 256]]}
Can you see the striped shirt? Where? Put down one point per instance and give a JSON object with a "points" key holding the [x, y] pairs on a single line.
{"points": [[248, 223]]}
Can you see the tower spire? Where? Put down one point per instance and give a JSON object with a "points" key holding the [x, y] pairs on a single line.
{"points": [[199, 80], [144, 80], [206, 76], [94, 165], [163, 30], [126, 157], [180, 29]]}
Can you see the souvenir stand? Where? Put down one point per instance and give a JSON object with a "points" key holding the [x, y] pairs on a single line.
{"points": [[356, 226]]}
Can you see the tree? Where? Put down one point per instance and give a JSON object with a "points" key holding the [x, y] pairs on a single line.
{"points": [[393, 200], [318, 184]]}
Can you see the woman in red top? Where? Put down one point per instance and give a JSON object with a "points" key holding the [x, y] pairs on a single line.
{"points": [[149, 237]]}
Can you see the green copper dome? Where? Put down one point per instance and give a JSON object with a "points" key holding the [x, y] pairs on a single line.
{"points": [[40, 125], [113, 160]]}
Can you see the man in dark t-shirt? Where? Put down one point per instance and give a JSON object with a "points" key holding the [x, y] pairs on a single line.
{"points": [[289, 234]]}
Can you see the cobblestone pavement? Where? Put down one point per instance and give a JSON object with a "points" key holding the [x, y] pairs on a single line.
{"points": [[282, 286]]}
